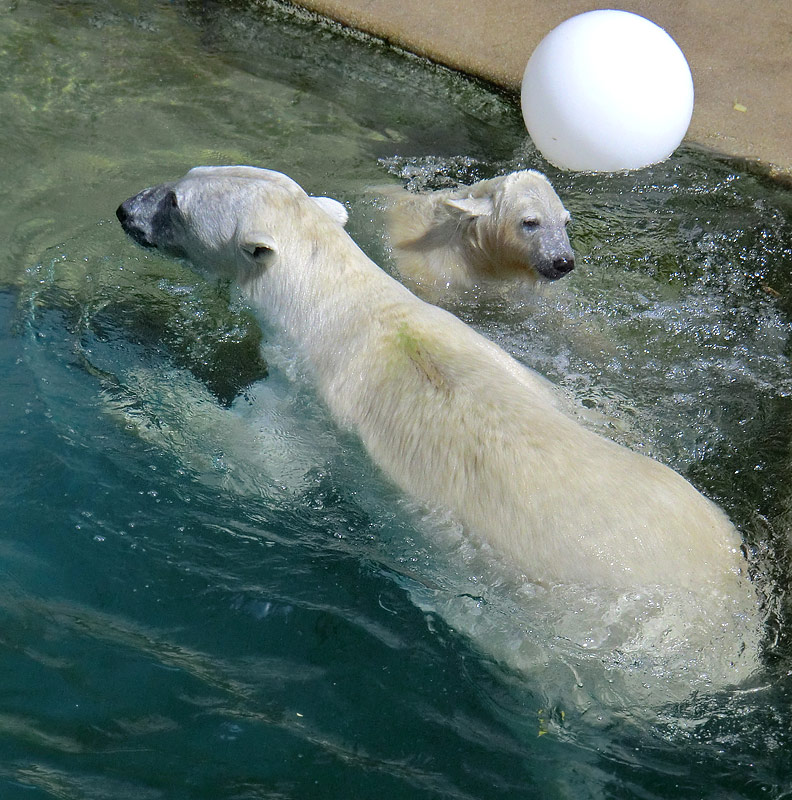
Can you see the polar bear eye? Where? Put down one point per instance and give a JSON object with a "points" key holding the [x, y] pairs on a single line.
{"points": [[530, 223]]}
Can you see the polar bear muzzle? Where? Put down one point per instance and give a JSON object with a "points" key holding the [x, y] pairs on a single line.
{"points": [[147, 218]]}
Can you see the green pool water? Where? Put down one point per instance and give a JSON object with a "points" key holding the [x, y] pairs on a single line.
{"points": [[205, 589]]}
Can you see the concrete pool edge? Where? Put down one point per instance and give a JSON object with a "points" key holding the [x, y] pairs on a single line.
{"points": [[742, 68]]}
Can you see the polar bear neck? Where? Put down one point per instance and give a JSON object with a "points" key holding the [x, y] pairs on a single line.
{"points": [[481, 249], [308, 294]]}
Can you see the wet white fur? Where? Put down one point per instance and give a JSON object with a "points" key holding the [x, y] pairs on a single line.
{"points": [[453, 240], [447, 414]]}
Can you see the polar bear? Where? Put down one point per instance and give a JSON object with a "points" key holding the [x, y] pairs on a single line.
{"points": [[448, 415], [509, 229]]}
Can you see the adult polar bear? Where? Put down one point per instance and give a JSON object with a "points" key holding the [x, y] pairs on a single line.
{"points": [[449, 416]]}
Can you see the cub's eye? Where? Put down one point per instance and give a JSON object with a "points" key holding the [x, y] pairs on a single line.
{"points": [[530, 223]]}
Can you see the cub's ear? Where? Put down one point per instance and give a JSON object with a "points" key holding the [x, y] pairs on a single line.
{"points": [[333, 209], [471, 206], [260, 247]]}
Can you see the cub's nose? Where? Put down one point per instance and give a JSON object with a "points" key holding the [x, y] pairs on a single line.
{"points": [[563, 266], [556, 268]]}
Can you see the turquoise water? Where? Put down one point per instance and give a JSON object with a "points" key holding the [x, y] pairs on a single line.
{"points": [[205, 592]]}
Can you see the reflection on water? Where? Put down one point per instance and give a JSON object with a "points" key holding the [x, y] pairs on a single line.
{"points": [[204, 591]]}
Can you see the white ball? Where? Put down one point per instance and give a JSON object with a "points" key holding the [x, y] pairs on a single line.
{"points": [[607, 91]]}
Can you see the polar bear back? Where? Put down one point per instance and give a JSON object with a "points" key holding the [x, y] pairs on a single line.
{"points": [[457, 423]]}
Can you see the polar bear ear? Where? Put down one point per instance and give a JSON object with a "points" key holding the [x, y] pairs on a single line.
{"points": [[333, 209], [260, 247], [471, 206]]}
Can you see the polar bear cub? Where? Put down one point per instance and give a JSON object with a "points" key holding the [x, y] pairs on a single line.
{"points": [[449, 416], [504, 230]]}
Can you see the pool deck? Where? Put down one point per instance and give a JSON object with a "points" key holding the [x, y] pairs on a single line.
{"points": [[740, 55]]}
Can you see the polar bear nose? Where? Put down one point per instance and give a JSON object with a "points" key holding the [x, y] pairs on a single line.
{"points": [[146, 217], [126, 217], [555, 268], [561, 266]]}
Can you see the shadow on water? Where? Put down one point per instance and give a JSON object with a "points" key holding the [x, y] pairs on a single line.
{"points": [[204, 590]]}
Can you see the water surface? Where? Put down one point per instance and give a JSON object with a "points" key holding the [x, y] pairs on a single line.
{"points": [[205, 591]]}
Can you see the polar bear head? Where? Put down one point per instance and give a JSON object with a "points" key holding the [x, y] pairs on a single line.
{"points": [[225, 219], [517, 225]]}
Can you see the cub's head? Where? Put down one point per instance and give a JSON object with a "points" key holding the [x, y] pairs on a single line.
{"points": [[226, 220], [521, 225]]}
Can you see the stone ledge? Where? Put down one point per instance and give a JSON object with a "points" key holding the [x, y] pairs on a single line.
{"points": [[740, 55]]}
